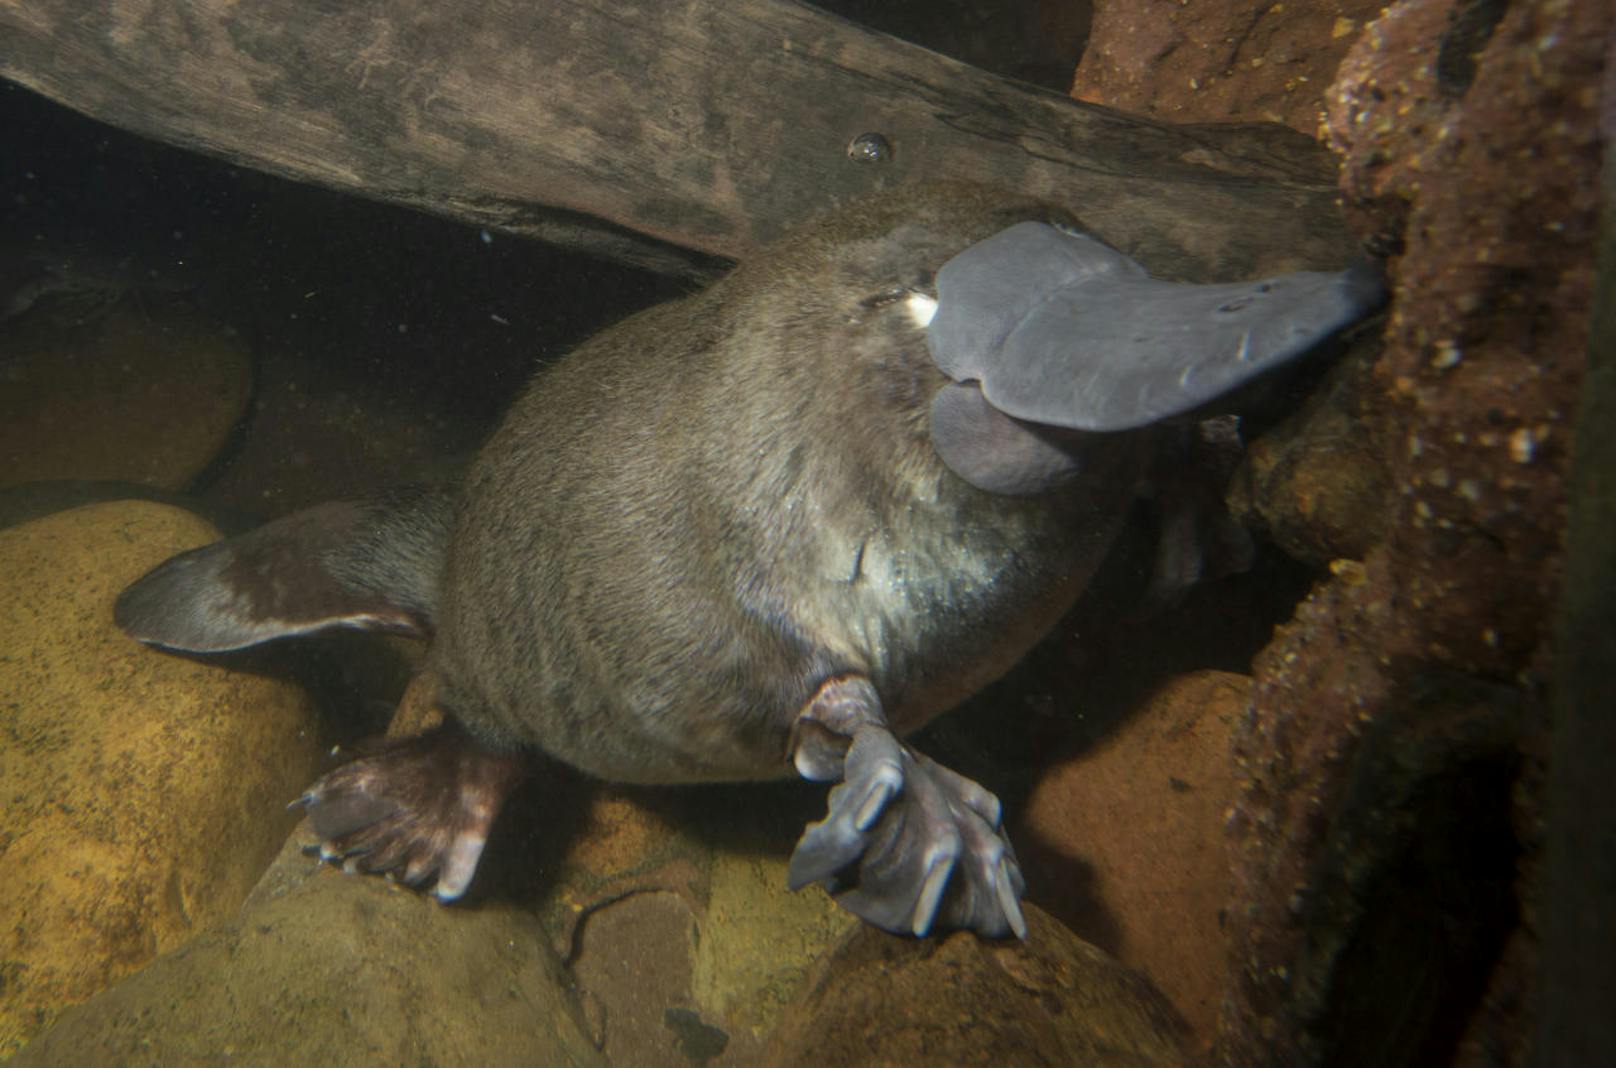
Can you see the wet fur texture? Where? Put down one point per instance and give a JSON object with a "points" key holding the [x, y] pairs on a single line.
{"points": [[687, 524]]}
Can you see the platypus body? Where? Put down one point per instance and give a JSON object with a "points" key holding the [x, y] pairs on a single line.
{"points": [[778, 524]]}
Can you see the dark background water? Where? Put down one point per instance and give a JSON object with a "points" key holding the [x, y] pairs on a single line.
{"points": [[390, 338]]}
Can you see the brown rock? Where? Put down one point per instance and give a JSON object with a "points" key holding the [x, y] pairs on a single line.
{"points": [[880, 999], [686, 890], [670, 905], [1386, 837], [418, 709], [571, 847], [633, 963], [328, 969], [145, 793], [121, 396], [1124, 841], [1217, 60], [320, 434], [1317, 483]]}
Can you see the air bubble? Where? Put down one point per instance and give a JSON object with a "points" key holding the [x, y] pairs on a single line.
{"points": [[869, 148]]}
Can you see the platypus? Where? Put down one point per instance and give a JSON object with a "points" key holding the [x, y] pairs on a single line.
{"points": [[778, 524]]}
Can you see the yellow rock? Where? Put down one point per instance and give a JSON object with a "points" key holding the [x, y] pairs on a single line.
{"points": [[143, 793], [327, 969], [758, 939], [99, 400]]}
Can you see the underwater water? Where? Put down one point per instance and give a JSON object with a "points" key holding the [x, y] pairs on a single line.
{"points": [[190, 349]]}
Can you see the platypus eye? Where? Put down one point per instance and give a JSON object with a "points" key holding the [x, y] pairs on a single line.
{"points": [[920, 305], [922, 281], [890, 295]]}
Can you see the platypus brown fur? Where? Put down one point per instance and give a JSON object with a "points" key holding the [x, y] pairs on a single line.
{"points": [[715, 542]]}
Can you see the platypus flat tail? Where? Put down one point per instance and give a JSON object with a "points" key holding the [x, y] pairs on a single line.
{"points": [[372, 564]]}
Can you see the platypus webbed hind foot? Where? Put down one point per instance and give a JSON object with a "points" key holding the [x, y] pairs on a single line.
{"points": [[418, 809], [908, 845]]}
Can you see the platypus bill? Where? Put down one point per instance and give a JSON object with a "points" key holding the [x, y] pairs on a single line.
{"points": [[778, 524]]}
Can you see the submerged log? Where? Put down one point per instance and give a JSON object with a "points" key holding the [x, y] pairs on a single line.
{"points": [[639, 129]]}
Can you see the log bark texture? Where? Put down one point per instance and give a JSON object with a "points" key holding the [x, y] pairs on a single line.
{"points": [[641, 128]]}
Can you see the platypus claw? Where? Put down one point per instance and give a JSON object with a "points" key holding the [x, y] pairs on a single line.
{"points": [[417, 810], [909, 844]]}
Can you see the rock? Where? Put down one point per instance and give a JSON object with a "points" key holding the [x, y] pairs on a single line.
{"points": [[1124, 841], [102, 400], [633, 966], [1387, 835], [321, 433], [1231, 61], [145, 793], [612, 842], [671, 907], [758, 942], [1317, 484], [961, 1000], [328, 969]]}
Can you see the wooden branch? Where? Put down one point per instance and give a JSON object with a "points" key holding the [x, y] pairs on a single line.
{"points": [[707, 125]]}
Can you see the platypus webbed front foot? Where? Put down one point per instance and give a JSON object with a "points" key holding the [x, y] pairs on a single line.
{"points": [[418, 809], [908, 844]]}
